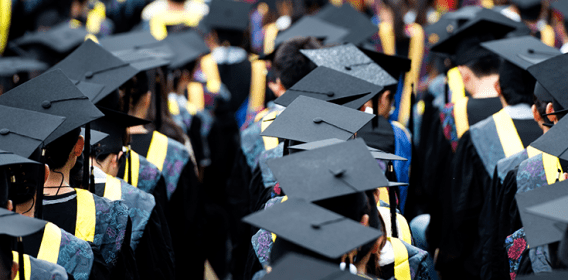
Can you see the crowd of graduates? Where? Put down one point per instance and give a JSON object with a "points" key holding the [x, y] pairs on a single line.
{"points": [[283, 139]]}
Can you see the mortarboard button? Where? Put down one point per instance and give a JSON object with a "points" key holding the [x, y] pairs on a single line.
{"points": [[4, 131], [330, 94], [318, 120], [46, 104], [89, 75]]}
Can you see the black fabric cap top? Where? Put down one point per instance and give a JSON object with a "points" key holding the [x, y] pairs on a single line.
{"points": [[13, 65], [539, 230], [61, 38], [464, 44], [328, 172], [96, 136], [114, 123], [187, 47], [23, 131], [377, 154], [139, 48], [554, 275], [522, 51], [550, 75], [313, 227], [395, 65], [554, 141], [92, 63], [526, 4], [9, 158], [228, 14], [360, 26], [299, 267], [309, 26], [53, 93], [16, 225], [329, 85], [307, 119], [347, 58], [449, 23]]}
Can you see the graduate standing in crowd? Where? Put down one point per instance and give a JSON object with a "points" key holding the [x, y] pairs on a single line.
{"points": [[283, 139]]}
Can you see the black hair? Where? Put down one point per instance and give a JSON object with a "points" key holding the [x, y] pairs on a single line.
{"points": [[517, 85], [541, 109], [485, 66], [234, 38], [289, 64], [6, 257], [531, 13], [57, 152]]}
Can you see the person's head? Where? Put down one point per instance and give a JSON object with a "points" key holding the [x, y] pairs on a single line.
{"points": [[516, 86], [63, 152], [474, 71], [109, 163], [8, 268], [546, 110], [289, 65]]}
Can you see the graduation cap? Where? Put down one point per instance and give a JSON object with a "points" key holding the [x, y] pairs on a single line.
{"points": [[187, 47], [464, 44], [376, 153], [139, 48], [61, 38], [114, 123], [299, 267], [522, 51], [310, 26], [535, 204], [550, 75], [314, 228], [359, 25], [449, 23], [307, 119], [13, 65], [53, 93], [272, 4], [395, 65], [329, 85], [228, 15], [23, 131], [328, 172], [92, 63], [347, 58], [96, 136], [554, 140], [9, 158], [553, 275], [526, 4]]}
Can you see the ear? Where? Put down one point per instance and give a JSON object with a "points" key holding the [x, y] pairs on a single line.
{"points": [[78, 149], [15, 268], [497, 87], [365, 220], [114, 160], [550, 110], [46, 174]]}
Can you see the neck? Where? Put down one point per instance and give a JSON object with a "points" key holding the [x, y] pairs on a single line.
{"points": [[175, 6], [484, 87], [56, 178], [139, 129]]}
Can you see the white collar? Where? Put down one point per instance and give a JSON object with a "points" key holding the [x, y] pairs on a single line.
{"points": [[100, 175], [520, 112], [387, 254], [229, 55]]}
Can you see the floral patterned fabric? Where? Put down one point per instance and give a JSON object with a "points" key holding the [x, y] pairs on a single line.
{"points": [[41, 269], [262, 240], [110, 229], [252, 144], [267, 176], [449, 125], [509, 163], [75, 255], [148, 175], [177, 157], [515, 245], [531, 174], [140, 205]]}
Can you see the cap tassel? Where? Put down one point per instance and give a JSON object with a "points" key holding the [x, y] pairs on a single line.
{"points": [[40, 182], [21, 258], [87, 154], [376, 111], [392, 198], [129, 165]]}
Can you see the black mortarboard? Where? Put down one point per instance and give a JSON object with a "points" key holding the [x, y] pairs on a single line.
{"points": [[139, 48], [553, 275], [313, 227], [114, 123], [522, 51], [228, 15], [61, 38], [53, 93], [395, 65], [328, 172], [9, 158], [270, 3], [16, 225], [347, 58], [307, 119], [541, 231], [14, 65], [554, 140], [23, 131], [359, 25], [299, 267], [464, 44], [187, 47], [329, 85], [550, 75], [377, 154], [309, 26], [526, 4], [449, 23], [90, 90], [92, 63], [96, 136]]}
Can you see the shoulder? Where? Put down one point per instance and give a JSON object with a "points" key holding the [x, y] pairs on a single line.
{"points": [[41, 269], [400, 129], [506, 164]]}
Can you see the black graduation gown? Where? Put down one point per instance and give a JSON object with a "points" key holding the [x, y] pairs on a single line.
{"points": [[460, 251], [185, 217]]}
